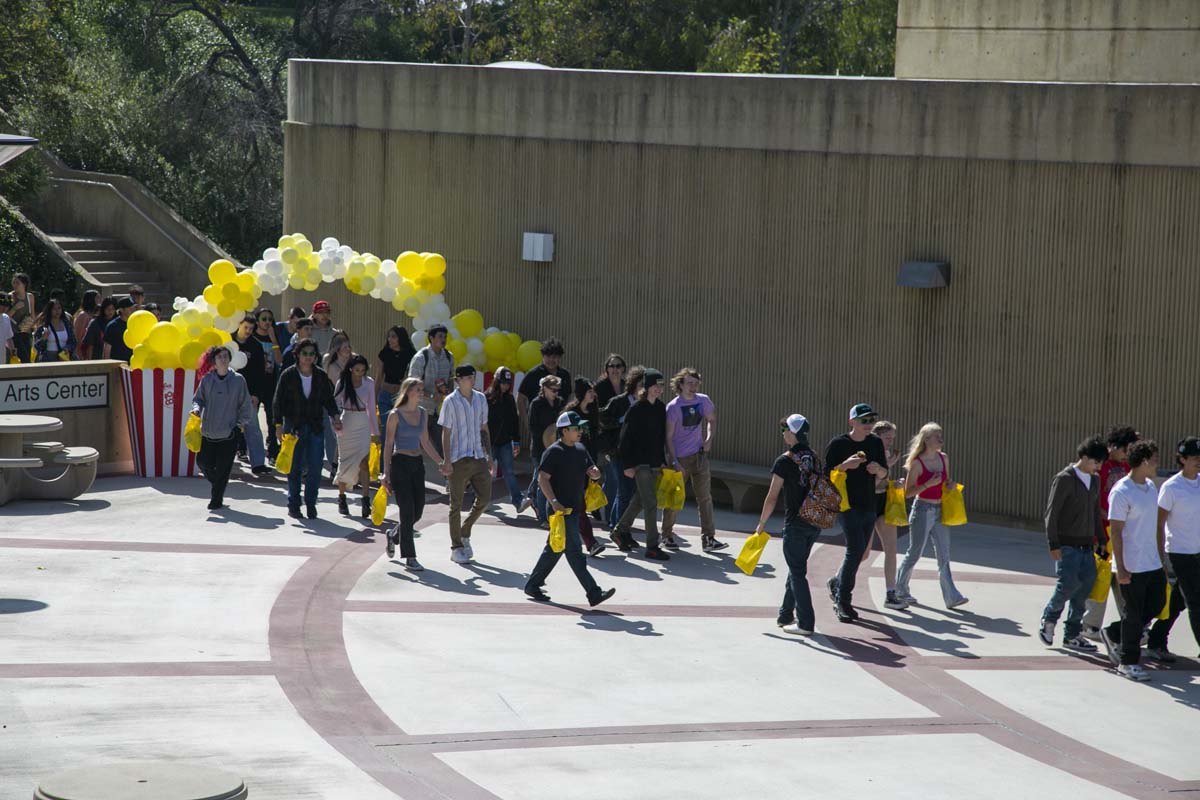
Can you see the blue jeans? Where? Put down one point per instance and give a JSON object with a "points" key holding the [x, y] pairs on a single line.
{"points": [[857, 525], [575, 558], [254, 442], [503, 453], [924, 524], [1076, 573], [798, 541], [612, 489], [535, 491], [309, 457], [383, 405]]}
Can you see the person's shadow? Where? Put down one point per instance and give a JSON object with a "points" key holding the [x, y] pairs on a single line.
{"points": [[623, 568], [614, 623], [232, 516], [1179, 684], [15, 605], [441, 581]]}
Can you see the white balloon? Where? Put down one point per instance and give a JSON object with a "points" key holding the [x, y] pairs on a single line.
{"points": [[346, 252], [491, 330], [375, 292], [259, 266], [474, 346], [180, 303], [420, 338], [271, 254], [339, 270], [274, 267], [451, 328], [393, 280], [420, 323], [239, 361], [330, 243], [326, 266], [330, 278], [387, 293]]}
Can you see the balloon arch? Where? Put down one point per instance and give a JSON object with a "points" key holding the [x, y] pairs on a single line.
{"points": [[413, 283]]}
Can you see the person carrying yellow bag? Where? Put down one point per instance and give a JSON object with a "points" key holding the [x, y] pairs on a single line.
{"points": [[927, 479], [562, 476], [222, 402]]}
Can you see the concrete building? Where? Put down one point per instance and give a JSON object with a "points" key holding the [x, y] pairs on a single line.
{"points": [[755, 227]]}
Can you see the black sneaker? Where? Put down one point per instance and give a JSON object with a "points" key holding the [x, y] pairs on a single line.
{"points": [[844, 613], [312, 512], [261, 469], [596, 549], [832, 586], [670, 541], [366, 508], [295, 513], [656, 554], [539, 595], [215, 504], [600, 598], [343, 505], [391, 546]]}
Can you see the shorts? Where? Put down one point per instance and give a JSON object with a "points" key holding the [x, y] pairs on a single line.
{"points": [[880, 503]]}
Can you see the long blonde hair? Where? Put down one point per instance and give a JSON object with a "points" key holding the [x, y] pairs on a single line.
{"points": [[917, 445], [406, 386]]}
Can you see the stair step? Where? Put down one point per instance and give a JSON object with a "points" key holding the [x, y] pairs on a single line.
{"points": [[112, 265], [143, 278], [100, 255], [96, 242]]}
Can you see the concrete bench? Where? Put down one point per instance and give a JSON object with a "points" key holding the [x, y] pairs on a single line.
{"points": [[28, 462], [41, 448], [62, 474], [745, 484], [76, 455]]}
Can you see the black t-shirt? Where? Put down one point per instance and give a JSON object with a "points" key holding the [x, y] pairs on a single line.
{"points": [[114, 335], [795, 469], [542, 414], [860, 484], [567, 467], [531, 383], [395, 363]]}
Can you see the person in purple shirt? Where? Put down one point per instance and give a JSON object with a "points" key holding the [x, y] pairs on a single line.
{"points": [[691, 426]]}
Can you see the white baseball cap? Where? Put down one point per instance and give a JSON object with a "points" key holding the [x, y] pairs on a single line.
{"points": [[797, 423]]}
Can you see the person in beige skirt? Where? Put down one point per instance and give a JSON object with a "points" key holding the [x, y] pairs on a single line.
{"points": [[355, 396]]}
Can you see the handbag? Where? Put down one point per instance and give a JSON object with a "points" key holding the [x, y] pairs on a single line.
{"points": [[823, 501]]}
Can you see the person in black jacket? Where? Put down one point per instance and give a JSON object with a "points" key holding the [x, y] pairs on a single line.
{"points": [[255, 373], [617, 487], [505, 427], [543, 413], [643, 448], [303, 399]]}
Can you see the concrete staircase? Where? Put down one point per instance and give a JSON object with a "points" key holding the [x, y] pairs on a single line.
{"points": [[115, 267]]}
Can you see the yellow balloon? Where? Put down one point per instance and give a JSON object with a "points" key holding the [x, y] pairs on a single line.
{"points": [[514, 339], [303, 246], [457, 348], [469, 322], [209, 338], [244, 301], [229, 291], [189, 354], [289, 255], [168, 360], [529, 355], [410, 265], [138, 359], [354, 284], [366, 284], [223, 336], [138, 327], [435, 265], [213, 295], [496, 345], [286, 242], [245, 281], [164, 338], [296, 281], [312, 276], [398, 302], [434, 284], [221, 271], [226, 308], [412, 306]]}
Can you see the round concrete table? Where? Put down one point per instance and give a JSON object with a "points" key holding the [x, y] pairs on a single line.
{"points": [[13, 428], [149, 781]]}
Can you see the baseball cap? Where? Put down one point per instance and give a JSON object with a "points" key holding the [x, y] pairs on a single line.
{"points": [[464, 371], [651, 377], [551, 380], [1188, 447], [569, 419], [126, 302], [860, 410], [797, 423], [503, 374], [319, 306]]}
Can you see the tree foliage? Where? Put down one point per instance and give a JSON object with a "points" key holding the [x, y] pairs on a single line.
{"points": [[189, 96]]}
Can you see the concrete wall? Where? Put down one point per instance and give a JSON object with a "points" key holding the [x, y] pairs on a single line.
{"points": [[1147, 41], [105, 429], [769, 261]]}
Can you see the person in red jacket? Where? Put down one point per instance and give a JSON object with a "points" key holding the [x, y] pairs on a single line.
{"points": [[1115, 467]]}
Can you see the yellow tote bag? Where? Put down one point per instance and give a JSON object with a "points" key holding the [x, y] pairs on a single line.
{"points": [[838, 479], [287, 448], [669, 490], [594, 498], [373, 463], [379, 506], [1166, 612], [954, 509], [893, 512], [558, 531], [191, 433], [752, 550], [1103, 582]]}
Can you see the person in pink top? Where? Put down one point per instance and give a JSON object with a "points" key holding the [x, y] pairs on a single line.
{"points": [[928, 471], [355, 396]]}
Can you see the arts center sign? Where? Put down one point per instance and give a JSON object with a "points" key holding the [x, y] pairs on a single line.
{"points": [[48, 394]]}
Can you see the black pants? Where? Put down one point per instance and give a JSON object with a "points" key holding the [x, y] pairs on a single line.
{"points": [[1144, 596], [23, 342], [408, 487], [216, 459], [857, 524], [1186, 589]]}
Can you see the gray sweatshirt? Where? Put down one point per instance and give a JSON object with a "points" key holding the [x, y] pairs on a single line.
{"points": [[223, 404]]}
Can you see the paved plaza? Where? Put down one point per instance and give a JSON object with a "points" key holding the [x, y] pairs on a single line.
{"points": [[136, 625]]}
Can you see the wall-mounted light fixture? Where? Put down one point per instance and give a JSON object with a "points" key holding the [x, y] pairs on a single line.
{"points": [[537, 247], [924, 275]]}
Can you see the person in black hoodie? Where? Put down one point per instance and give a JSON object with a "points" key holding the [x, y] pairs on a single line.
{"points": [[505, 427], [617, 487], [303, 399], [643, 447], [543, 413], [255, 373]]}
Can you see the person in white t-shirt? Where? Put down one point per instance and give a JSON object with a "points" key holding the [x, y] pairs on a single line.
{"points": [[6, 327], [1137, 548], [1179, 527]]}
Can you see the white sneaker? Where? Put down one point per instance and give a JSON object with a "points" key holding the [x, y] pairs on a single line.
{"points": [[1134, 672], [468, 549], [412, 565], [1046, 633], [1112, 648], [459, 556], [795, 630], [1090, 632]]}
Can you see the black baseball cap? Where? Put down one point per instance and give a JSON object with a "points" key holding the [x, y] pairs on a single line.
{"points": [[860, 410], [126, 302], [464, 371], [569, 419], [651, 377], [1188, 447]]}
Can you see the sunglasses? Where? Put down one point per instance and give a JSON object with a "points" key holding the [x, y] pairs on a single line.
{"points": [[308, 354], [266, 319], [784, 429], [869, 420]]}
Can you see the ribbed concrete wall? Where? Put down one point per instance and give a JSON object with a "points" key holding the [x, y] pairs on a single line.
{"points": [[774, 273]]}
